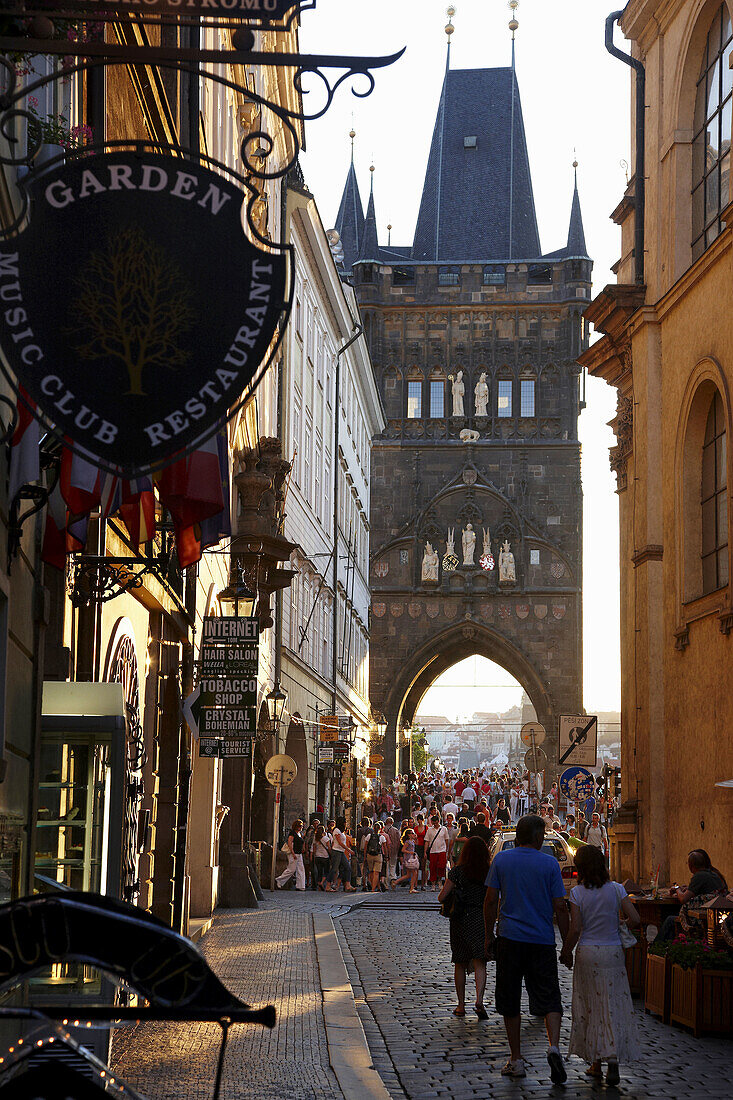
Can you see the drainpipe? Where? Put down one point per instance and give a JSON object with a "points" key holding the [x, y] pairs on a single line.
{"points": [[358, 331], [640, 189]]}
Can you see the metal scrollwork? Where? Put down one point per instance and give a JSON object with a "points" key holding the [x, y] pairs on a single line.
{"points": [[124, 671]]}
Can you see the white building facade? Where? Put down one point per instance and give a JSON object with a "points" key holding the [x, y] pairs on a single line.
{"points": [[331, 410]]}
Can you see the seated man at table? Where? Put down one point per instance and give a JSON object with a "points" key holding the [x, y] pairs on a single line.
{"points": [[706, 883]]}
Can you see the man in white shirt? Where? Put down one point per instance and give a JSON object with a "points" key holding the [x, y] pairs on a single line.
{"points": [[450, 807], [469, 796], [437, 839], [597, 835]]}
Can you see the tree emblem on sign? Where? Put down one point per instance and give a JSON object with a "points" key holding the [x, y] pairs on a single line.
{"points": [[133, 306]]}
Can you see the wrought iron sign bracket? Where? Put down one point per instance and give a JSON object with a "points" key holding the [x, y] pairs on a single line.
{"points": [[94, 579]]}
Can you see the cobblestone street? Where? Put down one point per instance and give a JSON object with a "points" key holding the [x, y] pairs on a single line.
{"points": [[398, 959], [398, 962]]}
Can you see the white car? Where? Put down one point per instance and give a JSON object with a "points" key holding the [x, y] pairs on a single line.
{"points": [[554, 844]]}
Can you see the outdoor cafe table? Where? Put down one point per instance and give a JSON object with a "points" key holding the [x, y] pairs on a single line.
{"points": [[654, 911]]}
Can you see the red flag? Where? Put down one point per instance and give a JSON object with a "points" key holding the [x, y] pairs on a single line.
{"points": [[188, 545], [53, 550], [191, 488]]}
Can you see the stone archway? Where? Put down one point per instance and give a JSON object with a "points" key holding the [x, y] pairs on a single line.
{"points": [[443, 651]]}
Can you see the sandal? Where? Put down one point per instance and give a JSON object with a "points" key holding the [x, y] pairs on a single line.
{"points": [[594, 1070], [481, 1012], [459, 1012]]}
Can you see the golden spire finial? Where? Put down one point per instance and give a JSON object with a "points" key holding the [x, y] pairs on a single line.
{"points": [[450, 12], [513, 23]]}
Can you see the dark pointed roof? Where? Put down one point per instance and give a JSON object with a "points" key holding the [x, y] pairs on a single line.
{"points": [[370, 244], [350, 220], [465, 209], [576, 234]]}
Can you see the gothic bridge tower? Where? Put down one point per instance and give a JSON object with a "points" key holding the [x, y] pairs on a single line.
{"points": [[474, 334]]}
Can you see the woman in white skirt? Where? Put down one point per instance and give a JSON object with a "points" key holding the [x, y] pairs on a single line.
{"points": [[603, 1027]]}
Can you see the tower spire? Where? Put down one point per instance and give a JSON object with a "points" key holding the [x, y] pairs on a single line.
{"points": [[370, 244], [576, 245], [350, 218], [513, 27], [449, 30]]}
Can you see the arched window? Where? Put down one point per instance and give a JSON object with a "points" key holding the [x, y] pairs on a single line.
{"points": [[711, 144], [714, 499]]}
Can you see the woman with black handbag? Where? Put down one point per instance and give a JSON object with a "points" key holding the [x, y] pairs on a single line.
{"points": [[462, 901]]}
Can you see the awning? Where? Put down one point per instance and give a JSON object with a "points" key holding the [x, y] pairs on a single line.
{"points": [[74, 708]]}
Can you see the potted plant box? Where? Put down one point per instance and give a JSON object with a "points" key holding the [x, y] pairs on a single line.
{"points": [[702, 998], [657, 986]]}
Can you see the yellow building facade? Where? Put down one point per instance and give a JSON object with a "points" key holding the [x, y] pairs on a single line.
{"points": [[666, 344]]}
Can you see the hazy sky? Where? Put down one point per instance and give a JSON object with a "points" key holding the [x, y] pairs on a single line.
{"points": [[574, 97]]}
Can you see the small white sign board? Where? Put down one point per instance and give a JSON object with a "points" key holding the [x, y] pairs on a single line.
{"points": [[578, 740]]}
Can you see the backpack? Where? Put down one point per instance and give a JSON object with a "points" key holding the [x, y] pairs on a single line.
{"points": [[373, 847]]}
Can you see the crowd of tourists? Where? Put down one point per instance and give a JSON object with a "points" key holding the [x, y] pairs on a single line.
{"points": [[434, 832]]}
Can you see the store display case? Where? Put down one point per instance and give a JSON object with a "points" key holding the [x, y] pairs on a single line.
{"points": [[81, 792], [81, 786]]}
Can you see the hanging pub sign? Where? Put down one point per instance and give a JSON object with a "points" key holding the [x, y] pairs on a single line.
{"points": [[135, 313]]}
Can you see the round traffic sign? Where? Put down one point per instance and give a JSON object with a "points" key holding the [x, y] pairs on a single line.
{"points": [[577, 784], [530, 728], [281, 770], [529, 760]]}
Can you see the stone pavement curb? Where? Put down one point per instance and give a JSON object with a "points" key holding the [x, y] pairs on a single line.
{"points": [[348, 1051]]}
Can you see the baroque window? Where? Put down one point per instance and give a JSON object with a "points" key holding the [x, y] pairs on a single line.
{"points": [[711, 143], [714, 499]]}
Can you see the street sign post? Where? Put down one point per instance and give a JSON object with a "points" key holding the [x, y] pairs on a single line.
{"points": [[578, 740], [533, 734], [280, 771], [577, 784], [535, 761]]}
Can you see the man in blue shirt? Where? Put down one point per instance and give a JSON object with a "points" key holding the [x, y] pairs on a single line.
{"points": [[531, 889]]}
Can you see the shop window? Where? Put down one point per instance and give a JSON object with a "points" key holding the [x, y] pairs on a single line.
{"points": [[712, 135], [414, 400], [714, 499]]}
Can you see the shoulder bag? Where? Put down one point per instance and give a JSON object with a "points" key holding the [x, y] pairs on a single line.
{"points": [[452, 907], [627, 937]]}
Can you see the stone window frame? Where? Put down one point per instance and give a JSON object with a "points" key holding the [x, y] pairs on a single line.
{"points": [[692, 602], [714, 85], [714, 522], [528, 374], [437, 378], [419, 381]]}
